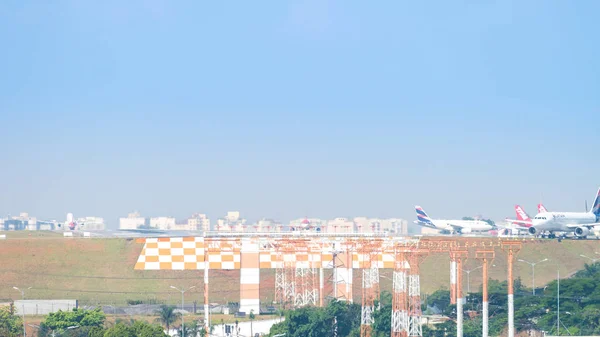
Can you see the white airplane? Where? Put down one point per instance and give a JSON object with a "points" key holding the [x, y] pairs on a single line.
{"points": [[581, 224], [521, 223], [453, 226]]}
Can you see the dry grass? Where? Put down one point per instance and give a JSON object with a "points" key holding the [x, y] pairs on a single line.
{"points": [[101, 271]]}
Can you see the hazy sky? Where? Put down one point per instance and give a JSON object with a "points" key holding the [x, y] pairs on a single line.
{"points": [[300, 108]]}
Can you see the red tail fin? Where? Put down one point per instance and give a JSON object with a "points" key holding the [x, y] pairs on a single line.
{"points": [[542, 209], [521, 214]]}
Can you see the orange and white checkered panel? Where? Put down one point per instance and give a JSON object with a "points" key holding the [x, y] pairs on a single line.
{"points": [[188, 254], [172, 254]]}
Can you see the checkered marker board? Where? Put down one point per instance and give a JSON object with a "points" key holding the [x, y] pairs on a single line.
{"points": [[188, 254], [191, 253]]}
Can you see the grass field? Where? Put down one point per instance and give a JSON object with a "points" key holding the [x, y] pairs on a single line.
{"points": [[101, 271]]}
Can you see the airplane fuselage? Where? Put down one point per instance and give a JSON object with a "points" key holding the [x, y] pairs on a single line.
{"points": [[562, 221], [452, 225]]}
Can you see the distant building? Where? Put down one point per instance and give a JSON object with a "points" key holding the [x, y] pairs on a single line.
{"points": [[232, 222], [266, 226], [306, 224], [340, 225], [381, 226], [198, 222], [133, 221]]}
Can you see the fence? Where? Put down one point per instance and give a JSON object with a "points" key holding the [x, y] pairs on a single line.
{"points": [[43, 307]]}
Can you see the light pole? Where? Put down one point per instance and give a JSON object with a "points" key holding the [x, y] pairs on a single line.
{"points": [[469, 277], [23, 297], [532, 264], [182, 321], [592, 259]]}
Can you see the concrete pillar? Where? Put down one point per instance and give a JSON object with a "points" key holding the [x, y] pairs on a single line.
{"points": [[485, 312], [459, 299], [249, 277]]}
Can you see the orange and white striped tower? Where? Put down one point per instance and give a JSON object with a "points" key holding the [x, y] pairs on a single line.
{"points": [[369, 252], [321, 286], [206, 301], [459, 299], [279, 278], [414, 295], [343, 274], [452, 279], [249, 276], [459, 255], [400, 298], [486, 256], [511, 248]]}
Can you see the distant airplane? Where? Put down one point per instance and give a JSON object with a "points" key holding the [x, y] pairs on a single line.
{"points": [[579, 223], [523, 220], [70, 223], [453, 226]]}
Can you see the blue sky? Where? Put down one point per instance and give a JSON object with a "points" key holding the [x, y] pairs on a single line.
{"points": [[300, 108]]}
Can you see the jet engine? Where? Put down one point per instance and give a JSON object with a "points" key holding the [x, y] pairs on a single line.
{"points": [[532, 230], [465, 230], [582, 231]]}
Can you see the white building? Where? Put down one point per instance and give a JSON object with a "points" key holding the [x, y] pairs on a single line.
{"points": [[340, 225], [306, 224], [266, 226], [386, 226], [132, 221], [232, 222], [199, 222]]}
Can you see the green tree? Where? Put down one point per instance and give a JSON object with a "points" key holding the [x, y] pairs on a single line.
{"points": [[167, 315], [144, 329], [137, 329], [10, 324], [59, 322], [120, 330]]}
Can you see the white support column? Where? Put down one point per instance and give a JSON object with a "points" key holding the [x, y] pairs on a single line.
{"points": [[485, 319], [459, 317], [511, 316], [206, 299], [321, 287], [452, 281]]}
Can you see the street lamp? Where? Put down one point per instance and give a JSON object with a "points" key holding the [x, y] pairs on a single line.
{"points": [[469, 277], [182, 321], [23, 296], [532, 264]]}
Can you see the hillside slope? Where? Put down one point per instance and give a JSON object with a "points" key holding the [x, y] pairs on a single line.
{"points": [[101, 271]]}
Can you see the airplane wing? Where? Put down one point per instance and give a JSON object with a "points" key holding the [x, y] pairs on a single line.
{"points": [[588, 225], [525, 222], [521, 228], [46, 221], [455, 227], [425, 224]]}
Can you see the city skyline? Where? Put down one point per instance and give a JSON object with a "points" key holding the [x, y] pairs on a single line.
{"points": [[316, 108]]}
